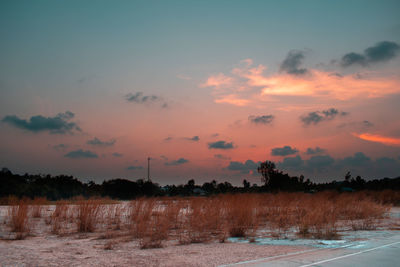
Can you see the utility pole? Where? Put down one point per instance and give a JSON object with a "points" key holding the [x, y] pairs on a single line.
{"points": [[148, 169]]}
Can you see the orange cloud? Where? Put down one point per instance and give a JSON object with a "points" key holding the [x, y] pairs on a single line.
{"points": [[218, 80], [327, 84], [249, 85], [390, 141], [232, 99]]}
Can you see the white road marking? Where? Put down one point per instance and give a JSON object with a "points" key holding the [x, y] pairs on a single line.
{"points": [[279, 256], [349, 255]]}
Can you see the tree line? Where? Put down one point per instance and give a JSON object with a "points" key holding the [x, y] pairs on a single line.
{"points": [[274, 180]]}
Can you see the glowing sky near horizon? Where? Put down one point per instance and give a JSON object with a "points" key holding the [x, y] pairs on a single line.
{"points": [[207, 89]]}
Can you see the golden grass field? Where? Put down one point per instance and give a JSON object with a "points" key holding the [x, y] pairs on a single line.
{"points": [[156, 222]]}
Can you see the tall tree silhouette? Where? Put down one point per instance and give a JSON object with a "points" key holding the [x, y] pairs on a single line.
{"points": [[267, 169]]}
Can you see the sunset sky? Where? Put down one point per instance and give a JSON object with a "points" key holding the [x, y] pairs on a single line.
{"points": [[207, 89]]}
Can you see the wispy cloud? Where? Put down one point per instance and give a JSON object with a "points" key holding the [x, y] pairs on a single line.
{"points": [[60, 147], [264, 119], [97, 142], [134, 168], [218, 81], [389, 141], [194, 138], [249, 85], [225, 89], [167, 139], [140, 98], [220, 156], [183, 77]]}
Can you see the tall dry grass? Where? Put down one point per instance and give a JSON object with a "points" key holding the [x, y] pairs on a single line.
{"points": [[154, 221], [113, 214], [88, 212], [58, 219], [318, 215], [197, 223], [155, 233], [241, 214], [140, 214], [19, 219], [149, 221], [199, 219], [37, 206], [361, 213], [9, 200]]}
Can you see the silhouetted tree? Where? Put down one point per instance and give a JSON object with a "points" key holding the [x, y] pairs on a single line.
{"points": [[210, 188], [266, 169], [64, 186], [347, 177], [246, 184], [276, 180]]}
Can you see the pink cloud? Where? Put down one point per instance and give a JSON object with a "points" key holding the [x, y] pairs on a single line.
{"points": [[247, 85], [328, 85], [233, 99], [217, 81]]}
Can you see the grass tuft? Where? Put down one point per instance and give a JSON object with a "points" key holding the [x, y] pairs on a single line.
{"points": [[19, 220], [88, 212]]}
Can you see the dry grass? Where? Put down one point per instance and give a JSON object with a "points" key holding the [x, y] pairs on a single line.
{"points": [[363, 214], [200, 219], [113, 216], [318, 215], [154, 221], [59, 218], [149, 222], [140, 213], [88, 211], [241, 214], [9, 200], [197, 220], [19, 219], [385, 197], [155, 233], [37, 206]]}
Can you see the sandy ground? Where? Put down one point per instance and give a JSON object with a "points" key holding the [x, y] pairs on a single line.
{"points": [[54, 251], [41, 248]]}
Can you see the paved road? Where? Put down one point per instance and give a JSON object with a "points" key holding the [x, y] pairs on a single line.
{"points": [[380, 251]]}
